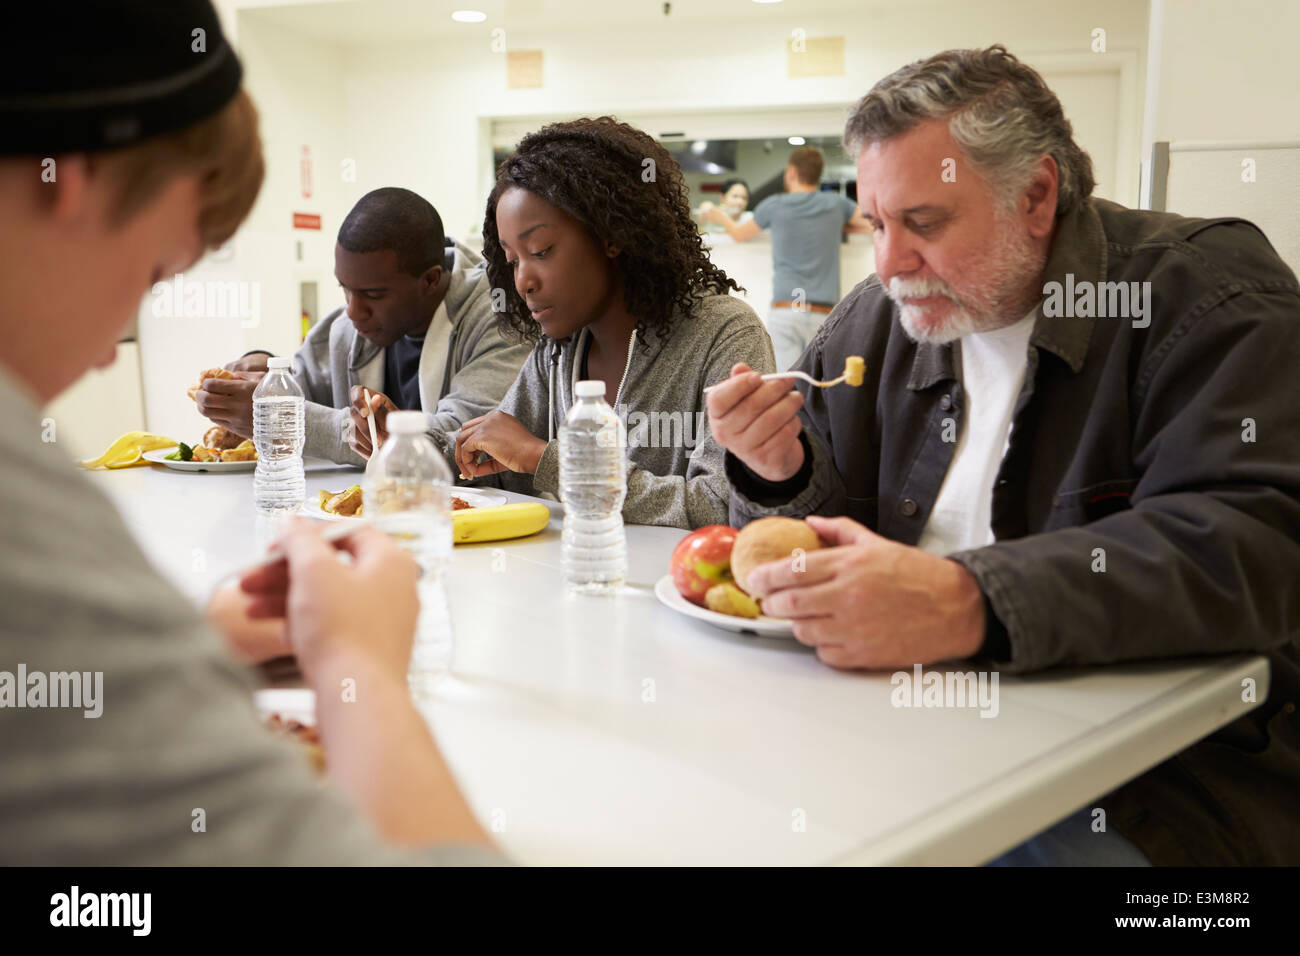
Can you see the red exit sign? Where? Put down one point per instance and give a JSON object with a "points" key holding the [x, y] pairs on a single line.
{"points": [[306, 220]]}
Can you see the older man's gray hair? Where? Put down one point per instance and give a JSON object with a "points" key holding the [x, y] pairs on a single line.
{"points": [[999, 111]]}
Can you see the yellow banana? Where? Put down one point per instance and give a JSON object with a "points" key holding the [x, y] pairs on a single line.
{"points": [[495, 524], [128, 449]]}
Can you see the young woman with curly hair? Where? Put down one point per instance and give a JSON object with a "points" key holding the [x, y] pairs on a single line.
{"points": [[592, 254]]}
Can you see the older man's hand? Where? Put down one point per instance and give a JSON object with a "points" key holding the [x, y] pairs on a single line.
{"points": [[866, 601]]}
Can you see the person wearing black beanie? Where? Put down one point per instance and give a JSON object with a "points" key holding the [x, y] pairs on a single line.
{"points": [[127, 148]]}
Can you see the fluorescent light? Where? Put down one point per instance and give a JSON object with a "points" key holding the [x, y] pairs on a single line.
{"points": [[796, 140], [699, 146], [468, 16]]}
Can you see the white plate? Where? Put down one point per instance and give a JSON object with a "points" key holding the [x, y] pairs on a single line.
{"points": [[291, 703], [761, 626], [159, 456], [479, 499]]}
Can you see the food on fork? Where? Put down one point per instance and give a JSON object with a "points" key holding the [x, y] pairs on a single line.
{"points": [[855, 368], [197, 387]]}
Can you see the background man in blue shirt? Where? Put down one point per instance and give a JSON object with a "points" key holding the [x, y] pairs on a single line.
{"points": [[806, 225]]}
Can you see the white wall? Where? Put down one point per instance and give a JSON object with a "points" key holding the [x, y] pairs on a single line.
{"points": [[1229, 71], [297, 84], [415, 112]]}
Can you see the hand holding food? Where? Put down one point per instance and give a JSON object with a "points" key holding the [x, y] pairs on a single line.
{"points": [[770, 539], [367, 403], [865, 601], [226, 398], [367, 608], [248, 638], [758, 422], [711, 566], [503, 438]]}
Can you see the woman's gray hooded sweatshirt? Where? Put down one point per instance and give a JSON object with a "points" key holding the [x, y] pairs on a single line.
{"points": [[674, 474]]}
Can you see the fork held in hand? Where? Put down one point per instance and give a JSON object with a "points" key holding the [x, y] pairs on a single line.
{"points": [[855, 368]]}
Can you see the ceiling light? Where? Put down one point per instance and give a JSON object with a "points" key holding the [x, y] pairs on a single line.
{"points": [[699, 146], [468, 16], [796, 140]]}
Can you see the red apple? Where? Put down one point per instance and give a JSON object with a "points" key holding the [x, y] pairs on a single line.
{"points": [[701, 560]]}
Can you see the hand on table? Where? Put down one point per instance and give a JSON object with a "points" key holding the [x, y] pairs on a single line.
{"points": [[758, 422], [866, 601], [368, 607], [509, 445], [379, 405], [228, 402]]}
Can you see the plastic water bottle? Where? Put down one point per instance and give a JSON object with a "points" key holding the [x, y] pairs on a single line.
{"points": [[278, 432], [406, 493], [593, 484]]}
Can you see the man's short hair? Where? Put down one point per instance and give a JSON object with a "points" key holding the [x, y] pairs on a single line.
{"points": [[999, 111], [396, 219], [808, 164]]}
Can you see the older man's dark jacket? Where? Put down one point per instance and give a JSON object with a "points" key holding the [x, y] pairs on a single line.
{"points": [[1174, 446]]}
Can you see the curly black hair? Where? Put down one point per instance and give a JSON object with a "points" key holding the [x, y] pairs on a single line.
{"points": [[597, 171]]}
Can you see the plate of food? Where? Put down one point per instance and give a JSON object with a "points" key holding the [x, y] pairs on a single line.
{"points": [[349, 503], [291, 712], [709, 569], [218, 450]]}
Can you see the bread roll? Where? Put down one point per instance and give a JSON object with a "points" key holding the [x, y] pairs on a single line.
{"points": [[769, 539], [206, 374]]}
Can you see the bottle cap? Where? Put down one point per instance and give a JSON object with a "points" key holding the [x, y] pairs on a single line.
{"points": [[279, 362], [590, 388], [405, 423]]}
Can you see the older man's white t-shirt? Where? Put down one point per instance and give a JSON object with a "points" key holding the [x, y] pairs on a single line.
{"points": [[993, 371]]}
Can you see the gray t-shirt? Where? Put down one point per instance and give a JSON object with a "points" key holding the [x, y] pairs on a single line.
{"points": [[806, 231], [178, 732]]}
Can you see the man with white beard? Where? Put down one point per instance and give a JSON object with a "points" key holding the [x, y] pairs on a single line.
{"points": [[1037, 487]]}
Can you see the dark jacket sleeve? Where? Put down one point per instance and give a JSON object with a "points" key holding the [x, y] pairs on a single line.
{"points": [[1207, 558]]}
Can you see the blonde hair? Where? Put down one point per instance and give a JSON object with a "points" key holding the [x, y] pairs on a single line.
{"points": [[224, 151]]}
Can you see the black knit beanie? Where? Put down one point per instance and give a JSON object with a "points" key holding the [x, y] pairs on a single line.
{"points": [[103, 74]]}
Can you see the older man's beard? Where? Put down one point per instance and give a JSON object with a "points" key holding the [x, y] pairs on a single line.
{"points": [[1003, 292]]}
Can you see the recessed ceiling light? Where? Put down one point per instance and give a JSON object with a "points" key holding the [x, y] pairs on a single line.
{"points": [[699, 146], [468, 16], [796, 140]]}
